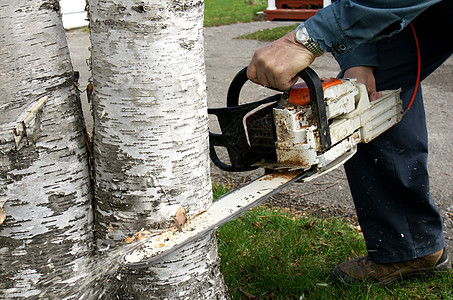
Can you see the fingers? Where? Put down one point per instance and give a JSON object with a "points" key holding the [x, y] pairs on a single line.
{"points": [[258, 73], [277, 64], [374, 95], [365, 75], [251, 72], [269, 77], [371, 89], [264, 69]]}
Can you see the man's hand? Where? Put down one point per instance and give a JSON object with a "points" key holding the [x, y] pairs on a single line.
{"points": [[364, 75], [277, 64]]}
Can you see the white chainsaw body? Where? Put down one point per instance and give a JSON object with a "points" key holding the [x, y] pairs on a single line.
{"points": [[353, 119]]}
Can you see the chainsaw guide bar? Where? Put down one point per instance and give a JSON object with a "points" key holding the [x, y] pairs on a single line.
{"points": [[224, 209]]}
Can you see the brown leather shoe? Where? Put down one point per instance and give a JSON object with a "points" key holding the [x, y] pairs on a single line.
{"points": [[363, 269]]}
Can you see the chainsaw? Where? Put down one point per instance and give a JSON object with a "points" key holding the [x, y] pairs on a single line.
{"points": [[295, 136]]}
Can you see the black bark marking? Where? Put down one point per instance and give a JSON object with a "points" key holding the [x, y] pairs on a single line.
{"points": [[182, 6], [52, 5], [141, 8]]}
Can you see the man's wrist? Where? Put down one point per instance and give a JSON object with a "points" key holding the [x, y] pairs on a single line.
{"points": [[302, 37]]}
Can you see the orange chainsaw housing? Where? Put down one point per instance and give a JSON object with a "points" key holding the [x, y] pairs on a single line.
{"points": [[299, 94]]}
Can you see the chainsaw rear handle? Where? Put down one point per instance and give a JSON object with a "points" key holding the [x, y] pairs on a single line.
{"points": [[241, 156], [234, 138]]}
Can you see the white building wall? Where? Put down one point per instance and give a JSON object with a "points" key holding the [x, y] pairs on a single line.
{"points": [[74, 14]]}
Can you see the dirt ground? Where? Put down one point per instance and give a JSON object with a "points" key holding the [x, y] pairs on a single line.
{"points": [[329, 194]]}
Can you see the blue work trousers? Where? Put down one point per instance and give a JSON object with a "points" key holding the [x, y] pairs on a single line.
{"points": [[388, 177]]}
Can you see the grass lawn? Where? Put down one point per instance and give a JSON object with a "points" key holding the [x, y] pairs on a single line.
{"points": [[269, 253], [270, 34], [223, 12]]}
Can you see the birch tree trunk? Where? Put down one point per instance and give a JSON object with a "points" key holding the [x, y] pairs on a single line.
{"points": [[44, 179], [150, 138]]}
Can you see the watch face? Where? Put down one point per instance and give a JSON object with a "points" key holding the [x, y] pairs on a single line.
{"points": [[302, 34]]}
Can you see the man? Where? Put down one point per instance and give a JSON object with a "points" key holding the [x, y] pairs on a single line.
{"points": [[373, 42]]}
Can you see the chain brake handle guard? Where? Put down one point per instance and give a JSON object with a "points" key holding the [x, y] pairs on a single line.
{"points": [[234, 138]]}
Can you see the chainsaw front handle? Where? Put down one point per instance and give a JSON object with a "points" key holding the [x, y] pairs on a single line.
{"points": [[318, 106]]}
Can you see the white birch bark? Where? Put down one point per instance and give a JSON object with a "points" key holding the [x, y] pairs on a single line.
{"points": [[150, 138], [44, 179]]}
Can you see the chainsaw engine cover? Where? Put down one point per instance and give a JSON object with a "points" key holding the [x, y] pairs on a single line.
{"points": [[297, 144]]}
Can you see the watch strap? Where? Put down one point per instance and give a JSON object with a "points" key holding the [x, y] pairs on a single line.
{"points": [[311, 45]]}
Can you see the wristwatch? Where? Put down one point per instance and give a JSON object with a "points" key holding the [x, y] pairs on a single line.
{"points": [[303, 38]]}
